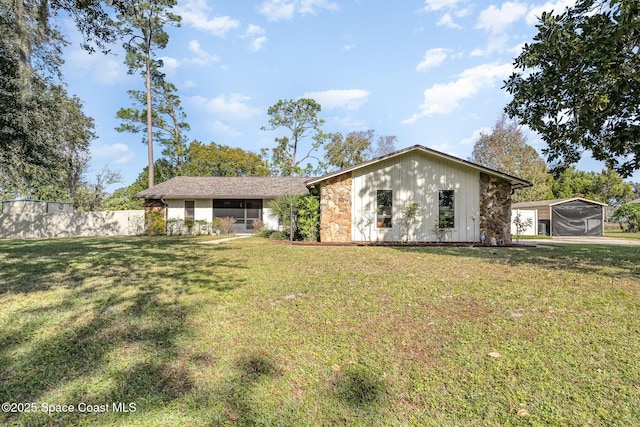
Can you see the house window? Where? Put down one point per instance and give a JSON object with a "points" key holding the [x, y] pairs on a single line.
{"points": [[189, 210], [384, 203], [446, 211]]}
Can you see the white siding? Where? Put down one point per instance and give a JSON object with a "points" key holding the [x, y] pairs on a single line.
{"points": [[524, 215], [203, 209], [417, 177], [270, 220]]}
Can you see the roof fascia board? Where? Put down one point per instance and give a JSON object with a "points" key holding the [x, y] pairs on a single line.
{"points": [[517, 182]]}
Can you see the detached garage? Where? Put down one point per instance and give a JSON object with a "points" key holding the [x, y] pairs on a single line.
{"points": [[568, 217]]}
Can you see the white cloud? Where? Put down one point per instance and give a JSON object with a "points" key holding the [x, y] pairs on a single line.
{"points": [[447, 21], [436, 5], [351, 99], [276, 10], [233, 107], [476, 135], [446, 98], [188, 84], [309, 6], [432, 58], [557, 7], [496, 43], [257, 37], [117, 153], [497, 20], [448, 9], [221, 129], [103, 69], [194, 13], [202, 57], [169, 65]]}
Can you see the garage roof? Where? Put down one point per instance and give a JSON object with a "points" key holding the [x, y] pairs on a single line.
{"points": [[554, 202]]}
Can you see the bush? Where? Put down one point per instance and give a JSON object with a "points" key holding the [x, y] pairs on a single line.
{"points": [[306, 216], [155, 223], [628, 216], [225, 225], [258, 226]]}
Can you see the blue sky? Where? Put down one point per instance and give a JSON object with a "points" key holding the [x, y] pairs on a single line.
{"points": [[429, 72]]}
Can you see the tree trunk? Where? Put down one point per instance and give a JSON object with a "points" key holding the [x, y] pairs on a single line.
{"points": [[149, 117]]}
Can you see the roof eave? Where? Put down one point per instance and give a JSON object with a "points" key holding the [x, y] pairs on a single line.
{"points": [[516, 182]]}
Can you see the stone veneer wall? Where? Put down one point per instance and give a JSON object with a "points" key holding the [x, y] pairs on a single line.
{"points": [[335, 209], [495, 208]]}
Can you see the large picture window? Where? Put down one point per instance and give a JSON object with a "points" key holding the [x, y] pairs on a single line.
{"points": [[189, 210], [384, 208], [446, 209]]}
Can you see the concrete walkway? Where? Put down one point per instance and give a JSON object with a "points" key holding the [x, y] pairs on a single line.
{"points": [[217, 242]]}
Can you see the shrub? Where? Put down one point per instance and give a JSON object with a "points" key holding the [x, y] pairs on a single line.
{"points": [[408, 217], [628, 216], [225, 225], [258, 225], [155, 223], [306, 216]]}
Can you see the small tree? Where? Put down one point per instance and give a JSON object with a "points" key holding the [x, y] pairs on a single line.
{"points": [[408, 217], [364, 223], [521, 225], [628, 216]]}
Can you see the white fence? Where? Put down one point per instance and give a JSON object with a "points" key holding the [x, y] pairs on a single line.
{"points": [[76, 224]]}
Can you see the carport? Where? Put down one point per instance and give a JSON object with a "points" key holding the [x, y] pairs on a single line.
{"points": [[568, 217]]}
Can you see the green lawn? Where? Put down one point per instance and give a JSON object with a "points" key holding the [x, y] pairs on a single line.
{"points": [[613, 232], [252, 332]]}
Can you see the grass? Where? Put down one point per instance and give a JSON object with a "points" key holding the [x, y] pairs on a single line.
{"points": [[619, 233], [258, 333]]}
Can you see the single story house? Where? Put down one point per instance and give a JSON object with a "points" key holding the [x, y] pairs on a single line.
{"points": [[206, 198], [459, 201], [574, 216]]}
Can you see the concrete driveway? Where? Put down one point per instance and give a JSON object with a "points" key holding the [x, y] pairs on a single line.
{"points": [[586, 240]]}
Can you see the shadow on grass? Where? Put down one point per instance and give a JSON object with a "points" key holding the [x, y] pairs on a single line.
{"points": [[358, 387], [589, 259], [237, 392], [113, 330], [34, 266]]}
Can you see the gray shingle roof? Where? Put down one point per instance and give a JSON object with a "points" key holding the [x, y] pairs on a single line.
{"points": [[218, 187]]}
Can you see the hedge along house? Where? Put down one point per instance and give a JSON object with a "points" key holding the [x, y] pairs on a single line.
{"points": [[204, 198], [459, 201], [576, 216]]}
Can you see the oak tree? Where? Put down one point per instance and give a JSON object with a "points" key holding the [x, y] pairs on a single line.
{"points": [[578, 86], [505, 149]]}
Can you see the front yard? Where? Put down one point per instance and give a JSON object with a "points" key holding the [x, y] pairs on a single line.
{"points": [[162, 331]]}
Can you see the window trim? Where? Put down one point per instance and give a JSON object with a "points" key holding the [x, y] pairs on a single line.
{"points": [[193, 210], [449, 223], [387, 218]]}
